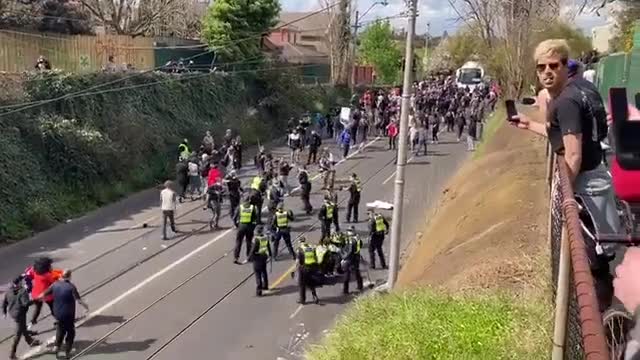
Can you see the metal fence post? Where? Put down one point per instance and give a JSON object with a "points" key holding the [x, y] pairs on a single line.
{"points": [[562, 299]]}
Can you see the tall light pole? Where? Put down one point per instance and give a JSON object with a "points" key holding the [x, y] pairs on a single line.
{"points": [[425, 60], [354, 46], [398, 196]]}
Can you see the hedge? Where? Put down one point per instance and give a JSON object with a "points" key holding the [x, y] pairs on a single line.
{"points": [[119, 134]]}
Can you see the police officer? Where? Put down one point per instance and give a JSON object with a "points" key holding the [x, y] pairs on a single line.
{"points": [[378, 228], [183, 150], [328, 214], [351, 261], [248, 217], [16, 303], [65, 295], [274, 195], [234, 188], [259, 255], [307, 267], [283, 230], [258, 188], [354, 198]]}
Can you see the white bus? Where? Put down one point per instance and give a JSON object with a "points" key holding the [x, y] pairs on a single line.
{"points": [[470, 75]]}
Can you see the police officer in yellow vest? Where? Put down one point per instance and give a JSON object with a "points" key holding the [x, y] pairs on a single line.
{"points": [[259, 255], [354, 198], [378, 228], [351, 261], [307, 269], [183, 150], [328, 214], [282, 229], [248, 218], [258, 188]]}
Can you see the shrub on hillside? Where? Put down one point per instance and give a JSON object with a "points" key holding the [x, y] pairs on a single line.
{"points": [[112, 134]]}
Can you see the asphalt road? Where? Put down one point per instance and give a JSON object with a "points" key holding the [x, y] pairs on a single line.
{"points": [[154, 299]]}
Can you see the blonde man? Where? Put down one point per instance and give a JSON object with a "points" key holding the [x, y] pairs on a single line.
{"points": [[573, 133]]}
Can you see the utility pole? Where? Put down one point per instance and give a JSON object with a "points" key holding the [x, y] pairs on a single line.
{"points": [[425, 60], [353, 51], [398, 196]]}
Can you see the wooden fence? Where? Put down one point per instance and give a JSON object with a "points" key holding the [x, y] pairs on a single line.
{"points": [[76, 53]]}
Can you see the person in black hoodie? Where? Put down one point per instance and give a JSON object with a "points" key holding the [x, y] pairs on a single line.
{"points": [[16, 303]]}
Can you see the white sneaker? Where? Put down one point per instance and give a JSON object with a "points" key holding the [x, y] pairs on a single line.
{"points": [[605, 146]]}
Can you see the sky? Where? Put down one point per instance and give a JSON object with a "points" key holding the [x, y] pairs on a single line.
{"points": [[438, 13]]}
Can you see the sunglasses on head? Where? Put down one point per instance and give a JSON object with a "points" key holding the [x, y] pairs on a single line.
{"points": [[553, 66]]}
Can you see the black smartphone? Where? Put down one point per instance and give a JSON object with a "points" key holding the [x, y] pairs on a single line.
{"points": [[618, 104], [638, 100], [511, 110]]}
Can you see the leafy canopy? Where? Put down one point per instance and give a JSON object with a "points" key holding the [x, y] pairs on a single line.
{"points": [[234, 26], [378, 48]]}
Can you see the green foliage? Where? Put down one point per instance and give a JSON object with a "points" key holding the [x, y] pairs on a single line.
{"points": [[378, 48], [625, 26], [58, 16], [64, 158], [578, 42], [423, 324], [234, 26]]}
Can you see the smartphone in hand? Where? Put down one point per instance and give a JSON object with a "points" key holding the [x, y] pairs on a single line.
{"points": [[512, 112]]}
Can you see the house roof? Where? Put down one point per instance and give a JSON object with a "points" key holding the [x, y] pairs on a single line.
{"points": [[316, 24]]}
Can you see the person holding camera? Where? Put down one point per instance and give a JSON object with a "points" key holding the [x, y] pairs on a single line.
{"points": [[575, 128]]}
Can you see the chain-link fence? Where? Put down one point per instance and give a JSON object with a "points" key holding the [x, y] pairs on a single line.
{"points": [[584, 334]]}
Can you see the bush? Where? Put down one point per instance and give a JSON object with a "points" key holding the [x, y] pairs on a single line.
{"points": [[120, 133]]}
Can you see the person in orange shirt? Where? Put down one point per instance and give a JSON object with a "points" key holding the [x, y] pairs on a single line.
{"points": [[41, 276]]}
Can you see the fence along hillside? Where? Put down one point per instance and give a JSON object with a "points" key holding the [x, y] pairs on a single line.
{"points": [[82, 53]]}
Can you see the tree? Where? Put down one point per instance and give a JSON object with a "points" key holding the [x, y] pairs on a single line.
{"points": [[338, 37], [626, 18], [377, 48], [233, 27], [133, 17], [59, 16]]}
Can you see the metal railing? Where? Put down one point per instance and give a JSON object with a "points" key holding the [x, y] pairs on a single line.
{"points": [[578, 329]]}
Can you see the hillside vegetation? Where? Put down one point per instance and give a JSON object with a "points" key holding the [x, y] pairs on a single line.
{"points": [[107, 135]]}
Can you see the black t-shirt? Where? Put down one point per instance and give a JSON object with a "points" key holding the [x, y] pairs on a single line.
{"points": [[567, 114]]}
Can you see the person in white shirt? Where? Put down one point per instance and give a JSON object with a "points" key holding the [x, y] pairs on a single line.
{"points": [[168, 200], [413, 136], [194, 178], [589, 74]]}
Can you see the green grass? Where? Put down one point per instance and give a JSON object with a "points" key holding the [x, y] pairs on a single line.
{"points": [[425, 324], [492, 126]]}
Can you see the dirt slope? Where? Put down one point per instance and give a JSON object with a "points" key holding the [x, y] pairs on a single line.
{"points": [[489, 229]]}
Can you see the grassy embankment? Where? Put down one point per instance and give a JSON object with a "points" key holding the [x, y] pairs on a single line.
{"points": [[476, 285]]}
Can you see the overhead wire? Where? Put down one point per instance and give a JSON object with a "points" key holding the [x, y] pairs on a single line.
{"points": [[30, 105]]}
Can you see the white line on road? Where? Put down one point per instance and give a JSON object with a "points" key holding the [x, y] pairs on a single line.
{"points": [[295, 312], [139, 286], [394, 173]]}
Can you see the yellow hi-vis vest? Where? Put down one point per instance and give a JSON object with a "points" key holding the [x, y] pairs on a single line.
{"points": [[309, 255], [380, 226], [329, 209], [282, 219], [184, 150], [321, 250], [357, 242], [245, 214], [356, 181], [257, 181], [263, 245]]}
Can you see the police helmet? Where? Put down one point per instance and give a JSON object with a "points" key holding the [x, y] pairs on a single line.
{"points": [[280, 205]]}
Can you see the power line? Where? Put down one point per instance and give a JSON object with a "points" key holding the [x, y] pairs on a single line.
{"points": [[187, 77], [232, 42]]}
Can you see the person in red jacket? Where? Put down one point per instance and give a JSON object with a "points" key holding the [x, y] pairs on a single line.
{"points": [[41, 275]]}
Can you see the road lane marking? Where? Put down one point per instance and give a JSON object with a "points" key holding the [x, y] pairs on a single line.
{"points": [[352, 154], [295, 312], [394, 173], [132, 290]]}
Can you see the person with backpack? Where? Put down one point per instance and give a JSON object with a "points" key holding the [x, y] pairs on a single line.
{"points": [[575, 129]]}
